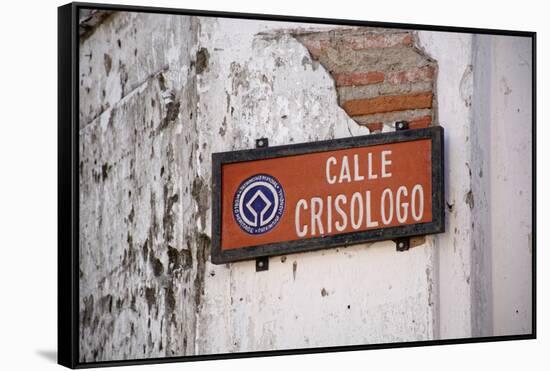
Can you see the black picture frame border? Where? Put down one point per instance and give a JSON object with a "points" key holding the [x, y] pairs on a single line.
{"points": [[68, 183], [67, 187], [435, 134]]}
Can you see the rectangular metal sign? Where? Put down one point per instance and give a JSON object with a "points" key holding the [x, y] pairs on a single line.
{"points": [[294, 198]]}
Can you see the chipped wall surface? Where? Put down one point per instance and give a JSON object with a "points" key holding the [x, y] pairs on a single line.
{"points": [[159, 94], [139, 249], [310, 299]]}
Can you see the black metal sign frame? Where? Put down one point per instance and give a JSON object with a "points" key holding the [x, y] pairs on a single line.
{"points": [[437, 225]]}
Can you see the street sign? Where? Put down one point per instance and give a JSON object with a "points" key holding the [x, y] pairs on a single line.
{"points": [[294, 198]]}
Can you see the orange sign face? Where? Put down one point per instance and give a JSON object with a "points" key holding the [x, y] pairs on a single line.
{"points": [[297, 198]]}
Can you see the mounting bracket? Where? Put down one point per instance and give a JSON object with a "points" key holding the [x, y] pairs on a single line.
{"points": [[262, 142], [262, 264], [402, 244], [401, 125]]}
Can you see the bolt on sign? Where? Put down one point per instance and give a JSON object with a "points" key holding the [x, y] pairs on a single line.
{"points": [[303, 197]]}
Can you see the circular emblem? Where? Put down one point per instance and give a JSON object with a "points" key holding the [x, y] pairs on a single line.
{"points": [[258, 204]]}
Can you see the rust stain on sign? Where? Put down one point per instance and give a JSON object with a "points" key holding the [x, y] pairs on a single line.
{"points": [[279, 200]]}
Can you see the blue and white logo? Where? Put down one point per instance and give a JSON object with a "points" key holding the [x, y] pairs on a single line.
{"points": [[259, 204]]}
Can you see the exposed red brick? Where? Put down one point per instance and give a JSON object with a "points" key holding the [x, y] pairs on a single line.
{"points": [[377, 92], [422, 122], [375, 127], [377, 41], [316, 46], [425, 73], [407, 40], [357, 107], [358, 78]]}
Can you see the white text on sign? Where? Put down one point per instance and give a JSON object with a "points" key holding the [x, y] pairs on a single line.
{"points": [[338, 212]]}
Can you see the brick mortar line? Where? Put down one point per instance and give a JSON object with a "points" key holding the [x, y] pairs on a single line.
{"points": [[390, 103]]}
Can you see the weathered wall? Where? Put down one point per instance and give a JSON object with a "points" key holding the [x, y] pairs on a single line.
{"points": [[140, 250], [504, 100], [159, 94], [275, 89], [453, 54]]}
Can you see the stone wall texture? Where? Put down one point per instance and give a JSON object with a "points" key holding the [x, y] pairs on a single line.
{"points": [[160, 93]]}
